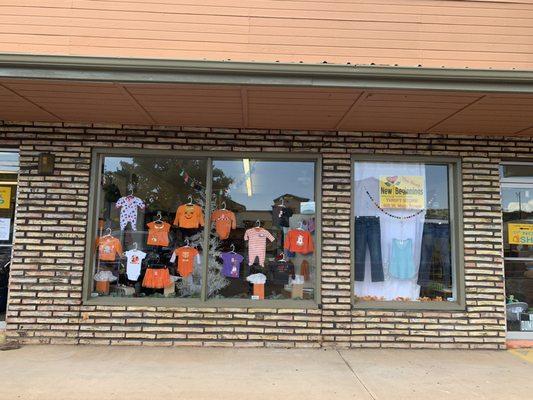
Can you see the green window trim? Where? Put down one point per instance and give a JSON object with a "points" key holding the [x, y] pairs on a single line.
{"points": [[98, 155], [457, 243]]}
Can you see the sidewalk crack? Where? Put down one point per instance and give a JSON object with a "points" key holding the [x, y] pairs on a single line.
{"points": [[356, 376]]}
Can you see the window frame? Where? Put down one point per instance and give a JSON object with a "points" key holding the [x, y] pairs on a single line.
{"points": [[515, 180], [455, 195], [97, 157]]}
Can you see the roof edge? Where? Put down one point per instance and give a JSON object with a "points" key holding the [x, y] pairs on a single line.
{"points": [[108, 69]]}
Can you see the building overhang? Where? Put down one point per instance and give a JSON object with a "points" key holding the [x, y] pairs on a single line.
{"points": [[265, 95]]}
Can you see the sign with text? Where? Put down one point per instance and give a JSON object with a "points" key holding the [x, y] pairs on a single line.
{"points": [[402, 192], [5, 197], [520, 234]]}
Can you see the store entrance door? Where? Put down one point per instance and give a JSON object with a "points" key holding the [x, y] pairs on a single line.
{"points": [[517, 208], [9, 169]]}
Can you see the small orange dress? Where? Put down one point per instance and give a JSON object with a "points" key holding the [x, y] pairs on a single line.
{"points": [[158, 234], [156, 278]]}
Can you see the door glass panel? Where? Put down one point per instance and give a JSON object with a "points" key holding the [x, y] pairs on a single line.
{"points": [[9, 166], [517, 207]]}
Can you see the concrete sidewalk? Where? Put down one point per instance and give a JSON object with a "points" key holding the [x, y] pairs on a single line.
{"points": [[93, 372]]}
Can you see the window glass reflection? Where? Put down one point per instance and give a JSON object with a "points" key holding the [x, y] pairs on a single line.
{"points": [[263, 229], [150, 227], [402, 232]]}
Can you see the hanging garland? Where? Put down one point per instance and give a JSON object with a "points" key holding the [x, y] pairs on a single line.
{"points": [[190, 181], [401, 218]]}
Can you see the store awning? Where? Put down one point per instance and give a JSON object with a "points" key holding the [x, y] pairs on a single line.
{"points": [[258, 95]]}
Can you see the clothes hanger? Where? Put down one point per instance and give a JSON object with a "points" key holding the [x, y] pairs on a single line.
{"points": [[301, 226], [282, 203], [232, 247], [187, 243], [257, 223], [134, 245], [159, 220], [282, 259], [190, 199], [224, 205], [107, 232]]}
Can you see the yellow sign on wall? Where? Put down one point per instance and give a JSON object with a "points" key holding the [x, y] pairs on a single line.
{"points": [[520, 234], [403, 192], [5, 197]]}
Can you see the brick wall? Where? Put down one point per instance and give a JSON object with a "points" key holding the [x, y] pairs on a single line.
{"points": [[48, 262]]}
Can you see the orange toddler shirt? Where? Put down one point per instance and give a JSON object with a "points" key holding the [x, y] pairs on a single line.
{"points": [[189, 216], [158, 234], [108, 248]]}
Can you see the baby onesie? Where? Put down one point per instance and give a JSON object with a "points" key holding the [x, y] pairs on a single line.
{"points": [[257, 238], [224, 222], [133, 266], [186, 256], [128, 210]]}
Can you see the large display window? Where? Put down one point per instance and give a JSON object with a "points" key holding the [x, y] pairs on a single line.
{"points": [[150, 226], [204, 228], [404, 233], [265, 228]]}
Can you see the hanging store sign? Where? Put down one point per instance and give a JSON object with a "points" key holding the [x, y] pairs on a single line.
{"points": [[520, 234], [401, 192], [5, 197]]}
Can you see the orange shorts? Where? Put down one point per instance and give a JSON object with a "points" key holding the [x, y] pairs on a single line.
{"points": [[157, 278]]}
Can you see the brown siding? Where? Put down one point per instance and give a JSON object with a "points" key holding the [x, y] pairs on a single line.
{"points": [[46, 282], [431, 33]]}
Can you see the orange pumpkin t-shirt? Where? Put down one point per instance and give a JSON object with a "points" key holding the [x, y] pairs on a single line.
{"points": [[189, 216], [186, 256], [108, 248], [158, 234]]}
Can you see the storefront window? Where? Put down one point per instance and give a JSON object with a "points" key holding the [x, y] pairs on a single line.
{"points": [[163, 231], [264, 229], [517, 208], [403, 232], [150, 227]]}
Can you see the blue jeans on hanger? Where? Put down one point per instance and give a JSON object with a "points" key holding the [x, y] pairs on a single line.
{"points": [[435, 255], [368, 234]]}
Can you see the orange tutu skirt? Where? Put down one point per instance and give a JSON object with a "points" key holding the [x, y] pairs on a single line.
{"points": [[157, 278]]}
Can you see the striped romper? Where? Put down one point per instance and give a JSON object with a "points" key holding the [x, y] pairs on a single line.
{"points": [[257, 238]]}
